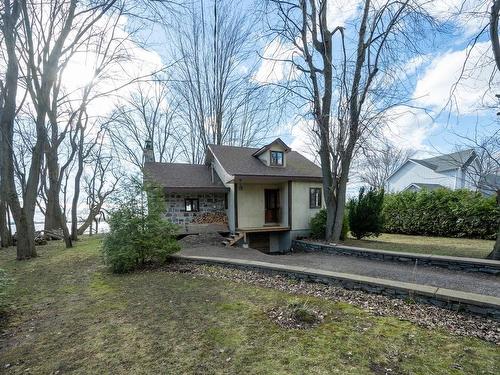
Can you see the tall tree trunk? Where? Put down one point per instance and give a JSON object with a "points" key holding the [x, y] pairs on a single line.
{"points": [[494, 18], [87, 223], [23, 215], [63, 225], [341, 186], [495, 43], [495, 254], [339, 209], [74, 206], [328, 192], [78, 178], [55, 218], [5, 235], [52, 221], [25, 237]]}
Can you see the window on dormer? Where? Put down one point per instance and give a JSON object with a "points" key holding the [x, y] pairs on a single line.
{"points": [[277, 158]]}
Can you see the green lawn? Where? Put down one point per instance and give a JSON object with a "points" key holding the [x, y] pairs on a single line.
{"points": [[459, 247], [70, 315]]}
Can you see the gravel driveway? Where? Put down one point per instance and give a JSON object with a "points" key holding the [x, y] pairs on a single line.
{"points": [[439, 277]]}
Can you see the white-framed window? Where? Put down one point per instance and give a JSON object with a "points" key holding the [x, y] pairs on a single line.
{"points": [[277, 158], [191, 204], [314, 197]]}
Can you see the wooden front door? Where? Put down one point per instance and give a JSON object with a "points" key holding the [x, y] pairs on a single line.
{"points": [[272, 208]]}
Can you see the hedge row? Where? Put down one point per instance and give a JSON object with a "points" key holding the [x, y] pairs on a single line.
{"points": [[459, 213]]}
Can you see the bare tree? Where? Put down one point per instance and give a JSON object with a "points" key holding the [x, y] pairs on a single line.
{"points": [[494, 36], [5, 232], [349, 91], [379, 161], [84, 148], [22, 211], [42, 41], [101, 181], [493, 27], [483, 146], [219, 101], [47, 50], [483, 173], [147, 114]]}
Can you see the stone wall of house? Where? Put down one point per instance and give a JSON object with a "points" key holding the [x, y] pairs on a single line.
{"points": [[175, 210]]}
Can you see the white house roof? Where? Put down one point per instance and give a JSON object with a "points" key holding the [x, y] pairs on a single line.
{"points": [[442, 163], [447, 162]]}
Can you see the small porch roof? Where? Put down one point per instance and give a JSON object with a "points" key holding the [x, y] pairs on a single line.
{"points": [[181, 177]]}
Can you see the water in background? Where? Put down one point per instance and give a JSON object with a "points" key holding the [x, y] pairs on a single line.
{"points": [[103, 227]]}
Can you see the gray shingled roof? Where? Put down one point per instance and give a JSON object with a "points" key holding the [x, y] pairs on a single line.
{"points": [[183, 177], [268, 146], [238, 161], [446, 162]]}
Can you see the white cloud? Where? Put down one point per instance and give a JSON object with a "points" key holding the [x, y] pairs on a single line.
{"points": [[338, 12], [471, 92], [415, 63], [469, 15], [303, 138], [274, 67], [408, 128]]}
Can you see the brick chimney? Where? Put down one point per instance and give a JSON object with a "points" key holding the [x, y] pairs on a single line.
{"points": [[148, 151]]}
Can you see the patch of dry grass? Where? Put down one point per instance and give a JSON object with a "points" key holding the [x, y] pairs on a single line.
{"points": [[459, 247], [70, 315]]}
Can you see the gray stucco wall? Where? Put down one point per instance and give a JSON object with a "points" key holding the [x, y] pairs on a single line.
{"points": [[175, 208]]}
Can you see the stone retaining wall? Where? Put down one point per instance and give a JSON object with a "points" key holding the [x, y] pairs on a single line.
{"points": [[444, 298], [452, 263]]}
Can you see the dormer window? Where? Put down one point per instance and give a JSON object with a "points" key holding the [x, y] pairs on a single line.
{"points": [[277, 158], [273, 154]]}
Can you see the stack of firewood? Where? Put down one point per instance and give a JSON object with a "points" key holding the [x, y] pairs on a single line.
{"points": [[210, 218]]}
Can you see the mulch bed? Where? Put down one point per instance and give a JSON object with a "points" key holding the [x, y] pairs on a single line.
{"points": [[427, 316]]}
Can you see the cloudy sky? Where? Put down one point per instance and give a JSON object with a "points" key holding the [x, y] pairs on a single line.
{"points": [[442, 109], [450, 99]]}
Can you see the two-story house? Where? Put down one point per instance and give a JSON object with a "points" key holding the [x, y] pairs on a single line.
{"points": [[452, 171], [269, 194]]}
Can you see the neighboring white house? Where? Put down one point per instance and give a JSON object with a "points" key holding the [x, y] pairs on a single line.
{"points": [[269, 194], [452, 171]]}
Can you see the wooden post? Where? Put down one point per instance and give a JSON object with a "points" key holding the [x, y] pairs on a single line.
{"points": [[290, 204], [235, 206]]}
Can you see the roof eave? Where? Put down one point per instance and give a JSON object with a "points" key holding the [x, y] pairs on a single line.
{"points": [[196, 189], [266, 147], [247, 177], [401, 166]]}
